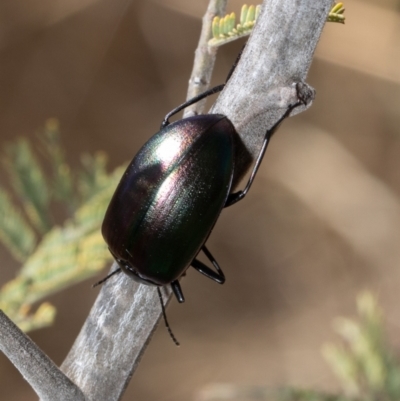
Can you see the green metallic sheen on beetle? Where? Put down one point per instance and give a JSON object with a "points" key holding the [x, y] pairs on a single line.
{"points": [[170, 198]]}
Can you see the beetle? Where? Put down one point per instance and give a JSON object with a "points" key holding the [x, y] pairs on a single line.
{"points": [[171, 196]]}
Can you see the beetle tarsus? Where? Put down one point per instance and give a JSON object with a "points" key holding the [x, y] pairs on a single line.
{"points": [[176, 288], [218, 277], [234, 198], [238, 196]]}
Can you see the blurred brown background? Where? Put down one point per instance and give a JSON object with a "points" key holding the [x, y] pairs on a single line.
{"points": [[321, 223]]}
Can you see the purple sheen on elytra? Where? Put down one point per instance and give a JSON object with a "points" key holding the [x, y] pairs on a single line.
{"points": [[170, 197]]}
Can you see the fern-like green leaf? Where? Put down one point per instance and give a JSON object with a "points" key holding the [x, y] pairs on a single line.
{"points": [[61, 179], [337, 13], [43, 317], [225, 30], [66, 255], [94, 177], [364, 363], [73, 252], [29, 183], [15, 233]]}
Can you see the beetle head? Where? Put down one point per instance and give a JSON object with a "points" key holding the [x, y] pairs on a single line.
{"points": [[130, 270], [133, 273]]}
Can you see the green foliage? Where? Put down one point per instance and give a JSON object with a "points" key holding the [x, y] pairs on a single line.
{"points": [[306, 395], [337, 13], [15, 232], [232, 392], [53, 255], [29, 183], [61, 178], [225, 29], [364, 364]]}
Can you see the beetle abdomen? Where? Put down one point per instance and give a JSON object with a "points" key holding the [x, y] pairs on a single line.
{"points": [[171, 196]]}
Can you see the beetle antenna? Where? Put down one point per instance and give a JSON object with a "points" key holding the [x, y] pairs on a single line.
{"points": [[171, 334], [106, 278]]}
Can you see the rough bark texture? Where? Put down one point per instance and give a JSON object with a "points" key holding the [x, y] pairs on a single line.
{"points": [[35, 366], [278, 54]]}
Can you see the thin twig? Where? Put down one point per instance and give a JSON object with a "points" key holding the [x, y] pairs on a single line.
{"points": [[204, 58], [37, 368]]}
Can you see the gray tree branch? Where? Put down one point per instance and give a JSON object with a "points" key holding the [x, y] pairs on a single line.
{"points": [[278, 54], [37, 368]]}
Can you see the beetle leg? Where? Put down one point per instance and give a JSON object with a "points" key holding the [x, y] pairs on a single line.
{"points": [[203, 95], [191, 101], [177, 290], [218, 276], [238, 196]]}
